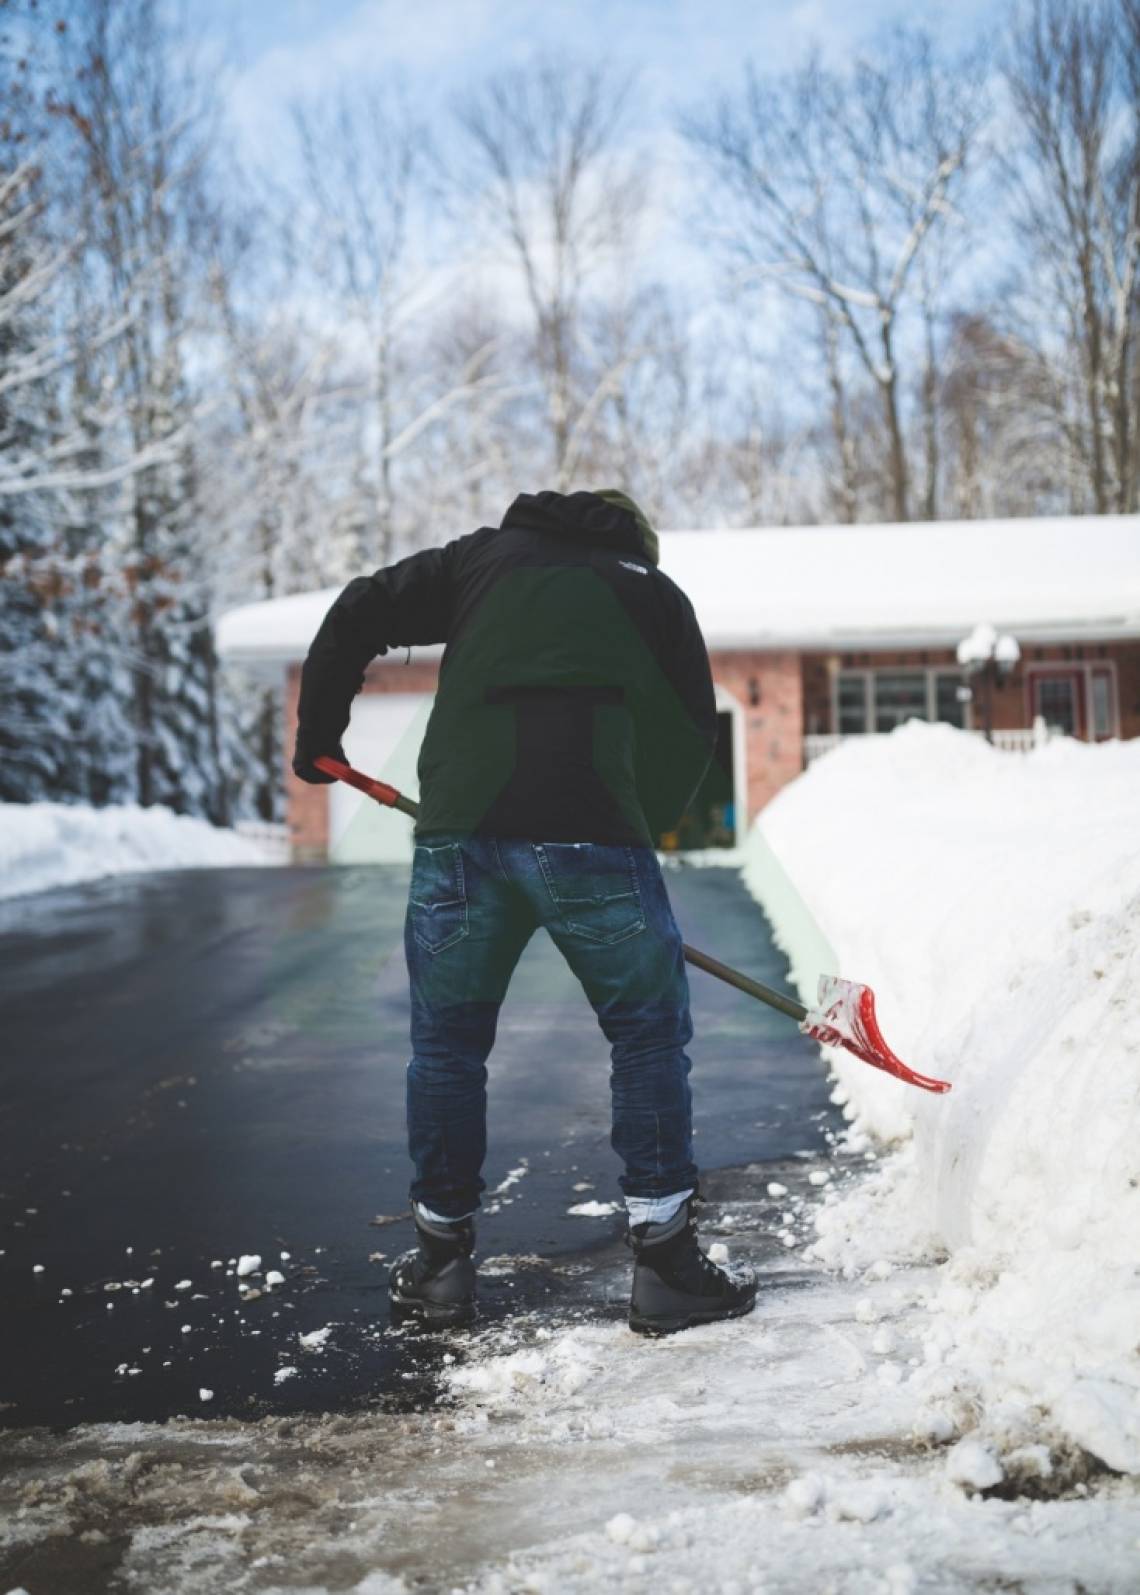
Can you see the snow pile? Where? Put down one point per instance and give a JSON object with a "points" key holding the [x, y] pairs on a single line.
{"points": [[993, 902], [887, 1534], [60, 844], [791, 1464], [568, 1365]]}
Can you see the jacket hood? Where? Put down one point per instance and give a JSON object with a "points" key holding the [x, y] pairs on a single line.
{"points": [[585, 518]]}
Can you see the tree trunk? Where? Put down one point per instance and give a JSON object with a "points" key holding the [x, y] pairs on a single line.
{"points": [[268, 778], [560, 403], [930, 422], [888, 385], [143, 676], [1094, 377], [848, 491], [385, 531]]}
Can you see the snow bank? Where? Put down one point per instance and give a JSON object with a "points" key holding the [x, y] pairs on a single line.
{"points": [[993, 902], [60, 844]]}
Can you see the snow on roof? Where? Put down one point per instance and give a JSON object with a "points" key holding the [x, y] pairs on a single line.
{"points": [[922, 584]]}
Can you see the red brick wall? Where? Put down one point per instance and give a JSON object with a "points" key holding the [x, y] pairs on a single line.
{"points": [[773, 724], [817, 693], [1127, 656], [306, 807]]}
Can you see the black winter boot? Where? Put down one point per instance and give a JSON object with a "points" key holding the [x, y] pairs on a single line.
{"points": [[675, 1285], [436, 1283]]}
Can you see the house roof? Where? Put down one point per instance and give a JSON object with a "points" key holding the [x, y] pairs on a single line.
{"points": [[1062, 579]]}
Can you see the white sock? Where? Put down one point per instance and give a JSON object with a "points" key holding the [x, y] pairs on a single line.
{"points": [[654, 1209], [438, 1218]]}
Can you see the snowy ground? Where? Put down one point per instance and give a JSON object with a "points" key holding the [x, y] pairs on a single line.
{"points": [[61, 844], [776, 1454], [938, 1390]]}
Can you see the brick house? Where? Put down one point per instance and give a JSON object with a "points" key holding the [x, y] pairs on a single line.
{"points": [[814, 634]]}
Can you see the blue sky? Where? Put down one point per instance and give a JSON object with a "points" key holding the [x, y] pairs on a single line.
{"points": [[270, 53], [273, 50]]}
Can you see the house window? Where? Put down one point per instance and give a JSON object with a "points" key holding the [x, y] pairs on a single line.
{"points": [[1101, 716], [948, 706], [899, 696], [879, 700], [1056, 701], [1076, 700], [1100, 707], [852, 702]]}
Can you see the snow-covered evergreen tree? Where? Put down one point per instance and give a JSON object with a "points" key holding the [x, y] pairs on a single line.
{"points": [[139, 122], [38, 699], [95, 652]]}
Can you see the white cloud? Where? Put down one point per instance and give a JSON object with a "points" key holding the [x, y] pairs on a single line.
{"points": [[375, 38]]}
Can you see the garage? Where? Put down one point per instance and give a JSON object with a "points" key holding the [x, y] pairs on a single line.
{"points": [[384, 739]]}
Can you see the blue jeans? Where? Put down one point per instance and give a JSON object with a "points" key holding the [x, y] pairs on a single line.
{"points": [[473, 905]]}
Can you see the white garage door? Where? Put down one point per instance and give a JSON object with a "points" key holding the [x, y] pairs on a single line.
{"points": [[383, 739]]}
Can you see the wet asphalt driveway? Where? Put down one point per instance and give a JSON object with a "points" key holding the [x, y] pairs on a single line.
{"points": [[204, 1064]]}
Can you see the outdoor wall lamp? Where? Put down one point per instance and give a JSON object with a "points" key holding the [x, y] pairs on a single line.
{"points": [[989, 658]]}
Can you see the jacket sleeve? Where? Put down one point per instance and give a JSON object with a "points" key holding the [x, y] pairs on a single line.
{"points": [[407, 603], [677, 738]]}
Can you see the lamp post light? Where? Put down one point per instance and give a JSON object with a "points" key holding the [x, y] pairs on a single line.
{"points": [[988, 657]]}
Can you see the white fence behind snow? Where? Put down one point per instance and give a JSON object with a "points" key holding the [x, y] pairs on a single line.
{"points": [[817, 744]]}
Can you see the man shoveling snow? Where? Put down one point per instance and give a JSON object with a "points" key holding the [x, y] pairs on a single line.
{"points": [[574, 721]]}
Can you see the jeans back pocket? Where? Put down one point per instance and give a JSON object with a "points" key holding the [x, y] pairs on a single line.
{"points": [[437, 897], [594, 888]]}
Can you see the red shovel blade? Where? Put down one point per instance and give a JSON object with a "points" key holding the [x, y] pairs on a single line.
{"points": [[844, 1016]]}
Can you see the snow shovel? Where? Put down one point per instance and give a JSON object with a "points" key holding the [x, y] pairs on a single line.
{"points": [[844, 1012]]}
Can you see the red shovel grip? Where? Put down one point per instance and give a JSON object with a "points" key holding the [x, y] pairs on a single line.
{"points": [[380, 791]]}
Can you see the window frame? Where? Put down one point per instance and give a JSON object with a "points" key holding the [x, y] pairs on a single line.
{"points": [[868, 702], [868, 674], [1084, 671]]}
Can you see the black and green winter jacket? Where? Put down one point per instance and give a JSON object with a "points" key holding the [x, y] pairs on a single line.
{"points": [[575, 701]]}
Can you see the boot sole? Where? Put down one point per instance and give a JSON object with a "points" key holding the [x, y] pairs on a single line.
{"points": [[674, 1326], [435, 1315]]}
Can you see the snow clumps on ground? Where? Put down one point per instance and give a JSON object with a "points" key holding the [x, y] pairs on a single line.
{"points": [[992, 900], [60, 844]]}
